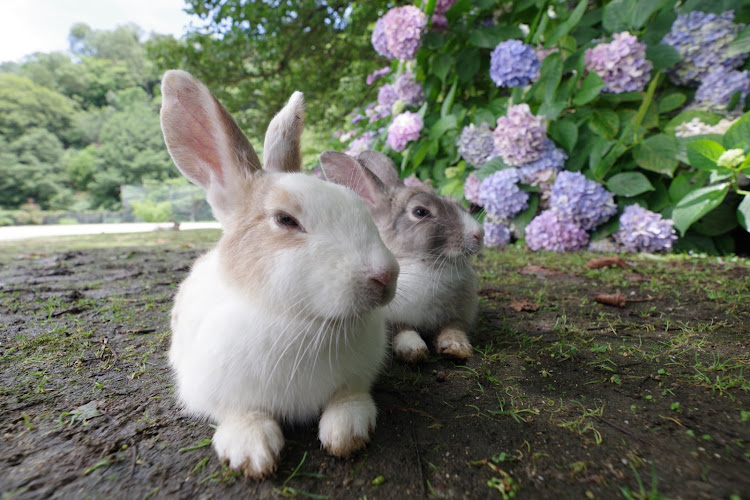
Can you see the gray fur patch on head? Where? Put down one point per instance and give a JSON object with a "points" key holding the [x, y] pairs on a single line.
{"points": [[439, 233]]}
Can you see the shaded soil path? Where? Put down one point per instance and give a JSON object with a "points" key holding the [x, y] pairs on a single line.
{"points": [[565, 397]]}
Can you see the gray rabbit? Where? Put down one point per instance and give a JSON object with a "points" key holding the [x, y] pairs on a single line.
{"points": [[433, 238]]}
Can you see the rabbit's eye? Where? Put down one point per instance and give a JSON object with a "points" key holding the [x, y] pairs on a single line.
{"points": [[420, 212], [287, 221]]}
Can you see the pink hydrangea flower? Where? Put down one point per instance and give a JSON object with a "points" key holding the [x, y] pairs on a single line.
{"points": [[404, 129], [403, 27]]}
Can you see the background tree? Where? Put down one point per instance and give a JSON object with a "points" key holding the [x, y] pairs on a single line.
{"points": [[74, 129], [255, 53]]}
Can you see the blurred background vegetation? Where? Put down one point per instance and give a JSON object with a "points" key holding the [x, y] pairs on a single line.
{"points": [[79, 131]]}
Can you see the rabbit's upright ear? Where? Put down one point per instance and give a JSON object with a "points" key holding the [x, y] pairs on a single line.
{"points": [[203, 139], [347, 171], [281, 149], [382, 166]]}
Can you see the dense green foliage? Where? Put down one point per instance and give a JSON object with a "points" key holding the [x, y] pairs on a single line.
{"points": [[255, 53], [625, 141], [74, 129]]}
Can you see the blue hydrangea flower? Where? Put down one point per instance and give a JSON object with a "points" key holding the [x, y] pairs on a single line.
{"points": [[644, 231], [409, 91], [717, 88], [581, 200], [496, 234], [404, 129], [552, 158], [520, 137], [514, 64], [500, 195], [403, 27], [476, 144], [622, 64], [702, 40], [549, 231]]}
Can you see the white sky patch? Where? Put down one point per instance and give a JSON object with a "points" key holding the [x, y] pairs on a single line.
{"points": [[28, 26]]}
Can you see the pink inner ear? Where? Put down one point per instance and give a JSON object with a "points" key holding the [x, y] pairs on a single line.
{"points": [[345, 170], [201, 138]]}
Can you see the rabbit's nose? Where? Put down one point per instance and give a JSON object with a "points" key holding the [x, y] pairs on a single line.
{"points": [[383, 278]]}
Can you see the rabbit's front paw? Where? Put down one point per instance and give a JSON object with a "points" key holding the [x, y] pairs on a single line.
{"points": [[409, 347], [453, 343], [347, 422], [250, 444]]}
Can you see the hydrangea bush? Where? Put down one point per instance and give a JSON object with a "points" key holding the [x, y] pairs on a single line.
{"points": [[610, 125]]}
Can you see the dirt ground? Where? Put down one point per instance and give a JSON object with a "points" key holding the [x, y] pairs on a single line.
{"points": [[565, 397]]}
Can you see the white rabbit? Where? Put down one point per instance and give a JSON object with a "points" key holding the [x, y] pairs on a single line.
{"points": [[283, 319], [432, 238]]}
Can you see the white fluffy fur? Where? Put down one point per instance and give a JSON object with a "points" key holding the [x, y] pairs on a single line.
{"points": [[429, 296], [309, 335], [231, 356], [409, 346]]}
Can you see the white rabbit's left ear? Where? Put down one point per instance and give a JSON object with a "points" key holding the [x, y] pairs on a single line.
{"points": [[281, 149], [204, 141]]}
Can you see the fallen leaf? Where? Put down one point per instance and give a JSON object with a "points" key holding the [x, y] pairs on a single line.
{"points": [[611, 299], [523, 305], [600, 262], [636, 278]]}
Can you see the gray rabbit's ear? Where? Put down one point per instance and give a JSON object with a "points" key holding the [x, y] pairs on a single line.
{"points": [[281, 149], [347, 171], [382, 166]]}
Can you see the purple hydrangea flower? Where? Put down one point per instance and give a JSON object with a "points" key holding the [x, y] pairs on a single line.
{"points": [[581, 200], [500, 195], [361, 143], [549, 231], [476, 144], [553, 158], [387, 95], [405, 128], [520, 137], [471, 188], [514, 64], [496, 234], [702, 40], [414, 181], [717, 88], [439, 23], [644, 231], [403, 28], [409, 91], [379, 41], [377, 75], [622, 64], [442, 6]]}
